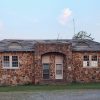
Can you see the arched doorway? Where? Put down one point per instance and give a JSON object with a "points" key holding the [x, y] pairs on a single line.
{"points": [[52, 65]]}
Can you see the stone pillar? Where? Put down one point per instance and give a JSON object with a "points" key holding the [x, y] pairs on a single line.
{"points": [[38, 69], [38, 65]]}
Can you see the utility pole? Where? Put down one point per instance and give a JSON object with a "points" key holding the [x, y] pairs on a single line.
{"points": [[74, 25]]}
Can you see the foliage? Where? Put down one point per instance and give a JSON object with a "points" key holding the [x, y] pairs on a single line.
{"points": [[83, 35]]}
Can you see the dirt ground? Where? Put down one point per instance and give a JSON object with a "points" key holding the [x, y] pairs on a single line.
{"points": [[54, 95]]}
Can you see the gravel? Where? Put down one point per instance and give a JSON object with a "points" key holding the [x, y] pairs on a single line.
{"points": [[54, 95]]}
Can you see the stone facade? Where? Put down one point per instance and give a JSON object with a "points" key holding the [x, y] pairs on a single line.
{"points": [[22, 75], [53, 49], [30, 70], [81, 74]]}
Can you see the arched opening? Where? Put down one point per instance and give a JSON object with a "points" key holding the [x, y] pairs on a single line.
{"points": [[52, 65]]}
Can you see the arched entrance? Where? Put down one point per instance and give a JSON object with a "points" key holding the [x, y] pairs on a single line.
{"points": [[52, 61], [52, 65]]}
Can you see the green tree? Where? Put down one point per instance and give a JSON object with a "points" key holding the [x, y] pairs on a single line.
{"points": [[83, 35]]}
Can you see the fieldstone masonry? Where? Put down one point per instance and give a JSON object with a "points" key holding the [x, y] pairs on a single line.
{"points": [[53, 49], [84, 75], [30, 66], [22, 75]]}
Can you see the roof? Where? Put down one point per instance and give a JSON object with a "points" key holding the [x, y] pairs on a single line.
{"points": [[28, 45], [85, 45]]}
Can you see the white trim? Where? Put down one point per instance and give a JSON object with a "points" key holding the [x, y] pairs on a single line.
{"points": [[10, 68], [90, 62], [94, 63], [57, 62], [61, 75], [10, 61], [43, 69]]}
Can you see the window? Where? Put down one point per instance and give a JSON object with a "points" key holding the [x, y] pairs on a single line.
{"points": [[10, 61], [59, 69], [94, 61], [14, 61], [86, 61], [90, 61], [86, 58], [94, 58], [6, 61], [46, 71]]}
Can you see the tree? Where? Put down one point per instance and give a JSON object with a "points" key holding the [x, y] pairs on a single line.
{"points": [[83, 35]]}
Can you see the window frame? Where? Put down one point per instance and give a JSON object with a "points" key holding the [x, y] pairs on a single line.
{"points": [[95, 62], [10, 62], [61, 65], [16, 61], [90, 61], [43, 71], [5, 61], [56, 70]]}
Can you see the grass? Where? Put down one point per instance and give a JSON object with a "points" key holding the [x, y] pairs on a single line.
{"points": [[33, 88]]}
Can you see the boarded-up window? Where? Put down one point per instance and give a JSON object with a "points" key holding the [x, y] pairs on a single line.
{"points": [[45, 59]]}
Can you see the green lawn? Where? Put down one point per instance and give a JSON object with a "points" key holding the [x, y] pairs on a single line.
{"points": [[26, 88]]}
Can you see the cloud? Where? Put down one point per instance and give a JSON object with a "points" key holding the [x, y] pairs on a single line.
{"points": [[64, 16]]}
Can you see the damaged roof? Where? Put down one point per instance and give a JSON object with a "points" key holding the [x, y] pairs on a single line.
{"points": [[28, 45]]}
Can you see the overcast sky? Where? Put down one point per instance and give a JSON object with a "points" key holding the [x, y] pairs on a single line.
{"points": [[45, 19]]}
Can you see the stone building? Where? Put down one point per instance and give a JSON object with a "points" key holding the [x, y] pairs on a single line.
{"points": [[49, 61]]}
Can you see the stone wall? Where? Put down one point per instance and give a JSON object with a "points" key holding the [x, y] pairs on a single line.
{"points": [[53, 48], [81, 74], [23, 75], [30, 66]]}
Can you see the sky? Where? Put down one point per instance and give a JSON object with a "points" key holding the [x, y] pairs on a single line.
{"points": [[48, 19]]}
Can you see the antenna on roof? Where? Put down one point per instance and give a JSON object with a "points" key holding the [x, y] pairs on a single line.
{"points": [[74, 25], [58, 36]]}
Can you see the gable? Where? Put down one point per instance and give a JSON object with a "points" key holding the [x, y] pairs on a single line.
{"points": [[14, 45]]}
